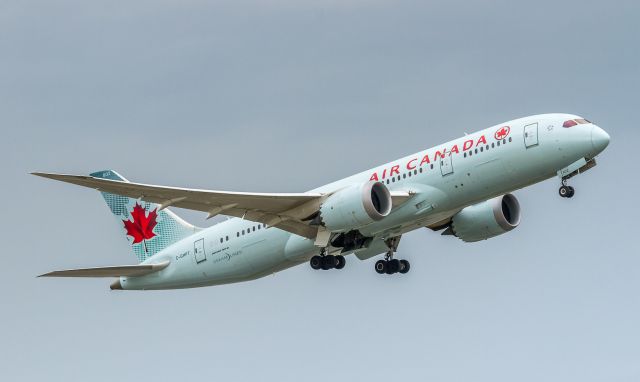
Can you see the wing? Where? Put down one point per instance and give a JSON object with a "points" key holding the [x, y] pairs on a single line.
{"points": [[289, 212], [117, 271]]}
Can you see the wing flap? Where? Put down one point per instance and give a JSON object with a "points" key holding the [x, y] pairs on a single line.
{"points": [[115, 271]]}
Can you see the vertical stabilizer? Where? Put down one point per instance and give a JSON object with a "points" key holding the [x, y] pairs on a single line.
{"points": [[148, 230]]}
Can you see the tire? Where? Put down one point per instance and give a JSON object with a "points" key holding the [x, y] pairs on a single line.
{"points": [[316, 262], [564, 191], [328, 262], [393, 266], [341, 262], [572, 191], [381, 266], [404, 266]]}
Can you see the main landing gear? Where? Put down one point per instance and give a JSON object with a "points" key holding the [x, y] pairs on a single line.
{"points": [[390, 265], [566, 191], [327, 262]]}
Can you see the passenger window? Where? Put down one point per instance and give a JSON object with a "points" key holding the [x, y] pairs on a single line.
{"points": [[221, 240], [465, 155], [404, 176], [510, 139], [420, 170], [504, 141], [227, 238], [493, 145], [432, 166], [242, 232], [481, 149], [476, 151], [487, 148], [415, 172], [498, 143], [237, 234]]}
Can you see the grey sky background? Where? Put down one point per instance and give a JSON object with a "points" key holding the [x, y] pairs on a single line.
{"points": [[286, 96]]}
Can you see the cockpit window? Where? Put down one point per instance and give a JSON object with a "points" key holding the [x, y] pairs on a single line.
{"points": [[574, 122]]}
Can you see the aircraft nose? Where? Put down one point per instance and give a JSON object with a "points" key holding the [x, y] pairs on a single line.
{"points": [[599, 139]]}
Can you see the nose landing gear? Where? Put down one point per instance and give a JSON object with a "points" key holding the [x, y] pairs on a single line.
{"points": [[390, 265], [566, 191]]}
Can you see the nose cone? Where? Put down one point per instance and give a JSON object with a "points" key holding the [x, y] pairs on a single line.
{"points": [[599, 139]]}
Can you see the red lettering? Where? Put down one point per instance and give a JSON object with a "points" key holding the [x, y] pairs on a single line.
{"points": [[395, 169], [467, 145], [374, 176], [409, 166], [440, 154], [454, 149], [482, 140], [425, 160], [384, 173]]}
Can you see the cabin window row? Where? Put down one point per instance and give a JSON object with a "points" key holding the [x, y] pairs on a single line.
{"points": [[405, 175], [477, 150], [247, 231]]}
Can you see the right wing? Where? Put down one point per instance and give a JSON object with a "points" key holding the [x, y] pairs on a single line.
{"points": [[285, 211], [292, 212]]}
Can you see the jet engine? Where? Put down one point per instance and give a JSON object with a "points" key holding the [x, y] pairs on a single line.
{"points": [[487, 219], [356, 206]]}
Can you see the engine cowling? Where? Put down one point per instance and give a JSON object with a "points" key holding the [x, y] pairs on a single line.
{"points": [[356, 206], [487, 219]]}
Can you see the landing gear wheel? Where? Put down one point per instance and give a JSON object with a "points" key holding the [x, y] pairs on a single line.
{"points": [[341, 262], [381, 266], [316, 262], [571, 192], [329, 262], [404, 266], [564, 191], [393, 266]]}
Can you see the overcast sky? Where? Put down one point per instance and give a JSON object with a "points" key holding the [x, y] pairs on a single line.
{"points": [[286, 96]]}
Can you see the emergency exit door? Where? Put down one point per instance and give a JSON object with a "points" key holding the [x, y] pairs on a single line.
{"points": [[446, 165], [198, 251], [531, 135]]}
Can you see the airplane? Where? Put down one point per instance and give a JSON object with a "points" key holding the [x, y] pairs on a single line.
{"points": [[462, 188]]}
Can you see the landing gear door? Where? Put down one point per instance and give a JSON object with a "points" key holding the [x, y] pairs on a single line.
{"points": [[531, 135], [446, 165], [198, 251]]}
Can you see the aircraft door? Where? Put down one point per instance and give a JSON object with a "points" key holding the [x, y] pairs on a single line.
{"points": [[198, 251], [531, 135], [446, 165]]}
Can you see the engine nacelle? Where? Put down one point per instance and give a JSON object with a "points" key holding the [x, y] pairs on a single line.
{"points": [[487, 219], [356, 206]]}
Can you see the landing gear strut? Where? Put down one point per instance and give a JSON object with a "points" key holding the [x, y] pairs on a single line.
{"points": [[390, 265], [327, 262], [566, 191]]}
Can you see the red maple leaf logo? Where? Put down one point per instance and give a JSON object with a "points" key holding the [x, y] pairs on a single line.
{"points": [[502, 132], [141, 228]]}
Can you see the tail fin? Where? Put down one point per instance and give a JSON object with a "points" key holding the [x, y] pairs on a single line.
{"points": [[148, 230]]}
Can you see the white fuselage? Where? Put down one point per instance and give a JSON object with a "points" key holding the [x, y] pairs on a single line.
{"points": [[443, 180]]}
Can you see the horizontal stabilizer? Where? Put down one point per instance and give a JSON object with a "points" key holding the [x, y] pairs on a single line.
{"points": [[117, 271]]}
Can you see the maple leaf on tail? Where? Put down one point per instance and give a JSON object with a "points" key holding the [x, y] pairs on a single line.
{"points": [[141, 228]]}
